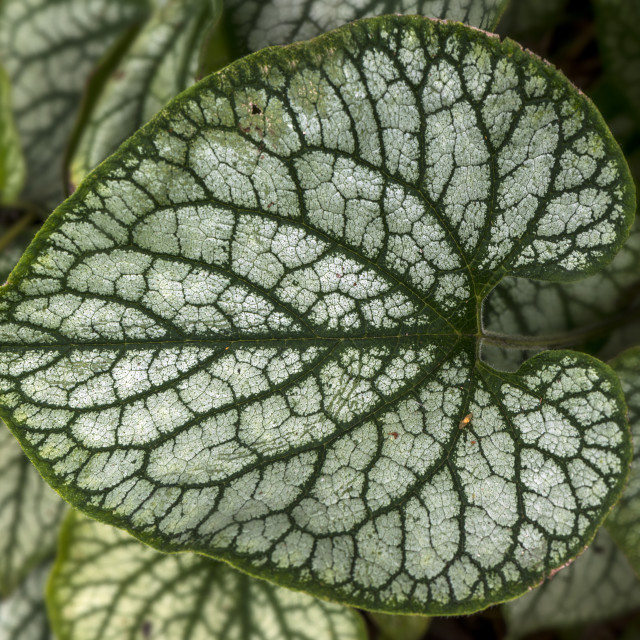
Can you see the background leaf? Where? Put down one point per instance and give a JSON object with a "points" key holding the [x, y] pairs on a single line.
{"points": [[30, 514], [256, 24], [618, 23], [524, 21], [396, 627], [108, 586], [23, 615], [162, 61], [600, 584], [253, 331], [48, 48], [624, 522], [12, 169], [583, 312]]}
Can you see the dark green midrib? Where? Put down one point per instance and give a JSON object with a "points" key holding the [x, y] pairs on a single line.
{"points": [[263, 458], [227, 341]]}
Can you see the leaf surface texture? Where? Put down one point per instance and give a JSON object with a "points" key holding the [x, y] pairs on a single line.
{"points": [[253, 331]]}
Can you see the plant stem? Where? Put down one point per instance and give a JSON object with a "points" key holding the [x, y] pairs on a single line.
{"points": [[565, 339]]}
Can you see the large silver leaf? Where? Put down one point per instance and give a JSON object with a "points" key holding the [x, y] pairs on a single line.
{"points": [[253, 332]]}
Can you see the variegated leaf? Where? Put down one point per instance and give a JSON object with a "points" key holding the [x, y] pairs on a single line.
{"points": [[253, 332]]}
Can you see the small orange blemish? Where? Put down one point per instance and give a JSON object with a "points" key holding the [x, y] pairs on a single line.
{"points": [[393, 434], [226, 348], [473, 441], [465, 421]]}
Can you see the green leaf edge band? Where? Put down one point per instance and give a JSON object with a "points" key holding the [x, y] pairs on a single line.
{"points": [[509, 48]]}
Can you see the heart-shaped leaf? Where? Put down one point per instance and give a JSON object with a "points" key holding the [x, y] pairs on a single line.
{"points": [[23, 616], [600, 584], [48, 48], [256, 24], [107, 586], [624, 522], [162, 61], [253, 331]]}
